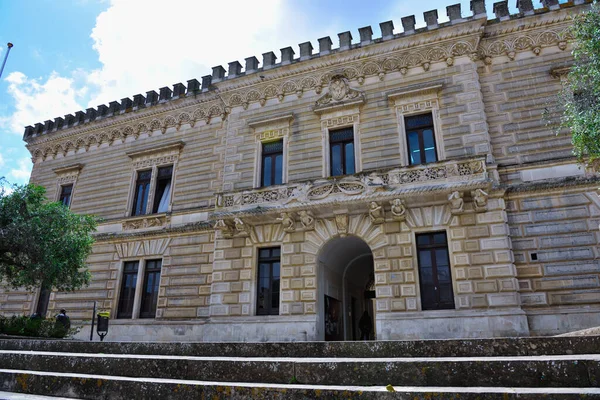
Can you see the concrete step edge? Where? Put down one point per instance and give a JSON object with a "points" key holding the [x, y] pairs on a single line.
{"points": [[406, 389], [300, 360]]}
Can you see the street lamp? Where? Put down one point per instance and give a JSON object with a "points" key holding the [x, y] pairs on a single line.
{"points": [[10, 46]]}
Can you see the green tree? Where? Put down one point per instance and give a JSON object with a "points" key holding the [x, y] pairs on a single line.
{"points": [[42, 244], [581, 94]]}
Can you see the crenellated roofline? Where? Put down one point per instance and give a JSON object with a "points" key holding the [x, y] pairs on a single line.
{"points": [[216, 94]]}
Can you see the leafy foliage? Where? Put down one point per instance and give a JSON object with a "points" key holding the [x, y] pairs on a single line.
{"points": [[42, 243], [36, 327], [582, 92]]}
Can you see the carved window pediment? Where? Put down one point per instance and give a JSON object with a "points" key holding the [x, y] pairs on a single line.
{"points": [[339, 96], [272, 128], [166, 153], [68, 174]]}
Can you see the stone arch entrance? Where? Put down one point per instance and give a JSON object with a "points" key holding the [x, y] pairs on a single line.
{"points": [[346, 282]]}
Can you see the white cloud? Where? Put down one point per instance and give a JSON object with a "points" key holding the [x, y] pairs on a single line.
{"points": [[35, 101], [161, 43], [22, 171], [145, 47]]}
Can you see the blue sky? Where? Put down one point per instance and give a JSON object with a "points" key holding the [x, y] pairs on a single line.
{"points": [[71, 55]]}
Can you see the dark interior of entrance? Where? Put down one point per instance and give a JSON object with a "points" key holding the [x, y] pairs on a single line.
{"points": [[347, 290]]}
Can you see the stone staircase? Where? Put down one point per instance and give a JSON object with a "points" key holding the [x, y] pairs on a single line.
{"points": [[514, 368]]}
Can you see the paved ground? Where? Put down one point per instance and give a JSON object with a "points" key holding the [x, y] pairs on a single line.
{"points": [[585, 332], [20, 396]]}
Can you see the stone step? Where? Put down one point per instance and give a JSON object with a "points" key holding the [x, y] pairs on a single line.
{"points": [[532, 346], [89, 386], [522, 371]]}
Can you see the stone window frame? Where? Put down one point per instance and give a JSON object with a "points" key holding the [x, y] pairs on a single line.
{"points": [[432, 229], [415, 100], [334, 120], [137, 300], [153, 158], [253, 296], [67, 175], [267, 130]]}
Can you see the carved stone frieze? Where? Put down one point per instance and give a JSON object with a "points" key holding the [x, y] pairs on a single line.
{"points": [[91, 137], [146, 222], [534, 41], [449, 171]]}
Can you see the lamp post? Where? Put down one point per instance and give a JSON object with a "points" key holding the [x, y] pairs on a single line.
{"points": [[10, 46]]}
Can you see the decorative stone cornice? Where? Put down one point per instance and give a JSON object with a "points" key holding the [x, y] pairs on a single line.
{"points": [[469, 37]]}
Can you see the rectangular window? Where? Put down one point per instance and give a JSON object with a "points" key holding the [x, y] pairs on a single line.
{"points": [[142, 189], [150, 289], [162, 194], [434, 272], [126, 299], [267, 296], [65, 195], [272, 163], [421, 139], [162, 178], [341, 145]]}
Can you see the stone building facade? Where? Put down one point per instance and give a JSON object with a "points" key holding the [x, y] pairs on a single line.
{"points": [[410, 176]]}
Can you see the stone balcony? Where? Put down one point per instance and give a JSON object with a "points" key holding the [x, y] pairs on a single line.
{"points": [[442, 177]]}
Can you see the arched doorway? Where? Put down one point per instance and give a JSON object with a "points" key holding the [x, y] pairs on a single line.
{"points": [[346, 288]]}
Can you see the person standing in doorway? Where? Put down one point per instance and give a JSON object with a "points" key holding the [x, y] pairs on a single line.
{"points": [[365, 325]]}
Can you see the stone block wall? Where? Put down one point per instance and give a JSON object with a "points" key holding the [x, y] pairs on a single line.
{"points": [[555, 239]]}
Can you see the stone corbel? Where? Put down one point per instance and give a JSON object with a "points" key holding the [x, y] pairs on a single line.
{"points": [[376, 213], [398, 210], [480, 199], [457, 204], [341, 222], [225, 228], [307, 220], [241, 228], [287, 222]]}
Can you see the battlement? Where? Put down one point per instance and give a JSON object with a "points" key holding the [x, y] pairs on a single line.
{"points": [[287, 57]]}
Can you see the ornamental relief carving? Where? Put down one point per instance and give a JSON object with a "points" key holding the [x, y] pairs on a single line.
{"points": [[155, 161], [146, 222], [120, 134], [365, 184], [532, 41], [272, 134], [399, 60], [339, 92]]}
